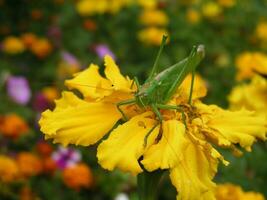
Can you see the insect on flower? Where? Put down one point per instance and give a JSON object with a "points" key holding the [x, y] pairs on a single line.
{"points": [[159, 88]]}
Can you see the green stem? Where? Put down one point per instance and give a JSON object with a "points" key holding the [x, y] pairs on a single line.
{"points": [[147, 185]]}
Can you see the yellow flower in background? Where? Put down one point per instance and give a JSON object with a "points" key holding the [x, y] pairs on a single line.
{"points": [[211, 10], [230, 191], [189, 2], [92, 7], [8, 169], [250, 63], [193, 16], [13, 45], [252, 96], [252, 196], [147, 4], [183, 143], [154, 17], [227, 3], [152, 35], [261, 31]]}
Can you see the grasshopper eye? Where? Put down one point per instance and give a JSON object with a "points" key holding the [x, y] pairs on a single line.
{"points": [[201, 50]]}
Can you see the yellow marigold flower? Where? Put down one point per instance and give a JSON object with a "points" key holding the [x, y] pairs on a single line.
{"points": [[8, 169], [13, 126], [41, 48], [226, 3], [152, 35], [154, 17], [78, 176], [13, 45], [211, 10], [252, 196], [251, 63], [261, 31], [241, 95], [29, 164], [147, 4], [230, 191], [92, 7], [183, 143], [193, 16]]}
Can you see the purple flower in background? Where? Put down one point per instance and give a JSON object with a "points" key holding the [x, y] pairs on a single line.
{"points": [[40, 102], [18, 89], [66, 157], [102, 50], [69, 58]]}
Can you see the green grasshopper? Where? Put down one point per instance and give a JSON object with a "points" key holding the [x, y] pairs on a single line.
{"points": [[159, 88]]}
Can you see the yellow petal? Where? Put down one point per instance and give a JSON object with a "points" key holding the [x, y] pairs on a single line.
{"points": [[192, 177], [241, 96], [169, 151], [183, 92], [125, 145], [75, 121], [112, 72], [90, 83], [228, 127]]}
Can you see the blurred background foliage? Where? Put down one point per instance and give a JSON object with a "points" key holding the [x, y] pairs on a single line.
{"points": [[45, 41]]}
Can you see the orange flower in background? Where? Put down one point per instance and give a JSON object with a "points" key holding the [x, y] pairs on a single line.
{"points": [[78, 176], [8, 169], [44, 149], [28, 39], [49, 165], [27, 194], [13, 126], [227, 3], [29, 164], [50, 93], [36, 14], [89, 25], [41, 48], [13, 45]]}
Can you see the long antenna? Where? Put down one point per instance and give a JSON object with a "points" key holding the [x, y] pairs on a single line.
{"points": [[155, 66]]}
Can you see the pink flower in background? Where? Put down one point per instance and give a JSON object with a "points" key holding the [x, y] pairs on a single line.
{"points": [[66, 157], [70, 58], [102, 50], [18, 89]]}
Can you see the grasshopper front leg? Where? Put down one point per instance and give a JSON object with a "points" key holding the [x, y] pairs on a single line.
{"points": [[191, 88], [173, 107], [125, 102], [159, 116]]}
